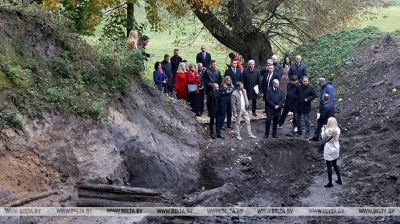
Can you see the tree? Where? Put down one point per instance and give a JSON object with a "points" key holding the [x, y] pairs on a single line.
{"points": [[252, 27]]}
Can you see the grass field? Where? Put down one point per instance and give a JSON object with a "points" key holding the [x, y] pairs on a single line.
{"points": [[387, 19]]}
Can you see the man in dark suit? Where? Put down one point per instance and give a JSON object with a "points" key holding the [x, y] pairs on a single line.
{"points": [[234, 73], [298, 69], [268, 76], [274, 104], [327, 111], [204, 57], [251, 77], [213, 75], [214, 109], [278, 70]]}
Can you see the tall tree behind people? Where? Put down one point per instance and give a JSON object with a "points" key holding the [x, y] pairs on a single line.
{"points": [[252, 27]]}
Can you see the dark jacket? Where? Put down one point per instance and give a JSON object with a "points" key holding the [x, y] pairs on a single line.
{"points": [[328, 88], [205, 61], [214, 104], [251, 79], [298, 70], [326, 112], [305, 92], [278, 70], [236, 77], [226, 93], [210, 77], [291, 96], [167, 67], [175, 61], [274, 98], [264, 81]]}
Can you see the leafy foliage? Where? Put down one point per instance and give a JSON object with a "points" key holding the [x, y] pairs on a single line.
{"points": [[325, 54], [79, 79], [10, 120]]}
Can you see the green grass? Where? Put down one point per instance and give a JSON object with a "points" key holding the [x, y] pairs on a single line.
{"points": [[387, 19], [325, 54], [163, 43]]}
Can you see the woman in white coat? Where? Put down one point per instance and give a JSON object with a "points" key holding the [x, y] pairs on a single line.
{"points": [[330, 134]]}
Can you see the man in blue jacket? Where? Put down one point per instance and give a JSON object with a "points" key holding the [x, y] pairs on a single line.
{"points": [[298, 69], [326, 88], [273, 106], [326, 112]]}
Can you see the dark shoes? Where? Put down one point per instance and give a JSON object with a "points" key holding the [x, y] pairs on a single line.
{"points": [[254, 114], [314, 139], [219, 136], [274, 136], [198, 115], [212, 136], [265, 136], [223, 129], [329, 185], [307, 135], [339, 182]]}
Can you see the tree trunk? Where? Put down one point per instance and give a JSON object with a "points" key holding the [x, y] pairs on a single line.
{"points": [[251, 45], [130, 17]]}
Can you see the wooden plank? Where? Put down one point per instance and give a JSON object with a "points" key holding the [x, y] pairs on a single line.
{"points": [[118, 189], [20, 202]]}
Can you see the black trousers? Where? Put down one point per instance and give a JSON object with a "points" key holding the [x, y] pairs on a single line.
{"points": [[329, 165], [254, 105], [201, 99], [284, 114], [317, 132], [214, 120], [274, 116], [196, 102], [226, 113]]}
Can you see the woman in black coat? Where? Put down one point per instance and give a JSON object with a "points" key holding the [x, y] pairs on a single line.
{"points": [[225, 91]]}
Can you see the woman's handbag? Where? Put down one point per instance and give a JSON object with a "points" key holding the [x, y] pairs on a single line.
{"points": [[192, 88], [322, 146]]}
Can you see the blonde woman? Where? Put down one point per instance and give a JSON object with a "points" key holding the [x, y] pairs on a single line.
{"points": [[330, 135], [132, 39], [181, 81]]}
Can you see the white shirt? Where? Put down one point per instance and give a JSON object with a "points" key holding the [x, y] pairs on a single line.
{"points": [[269, 79], [242, 103]]}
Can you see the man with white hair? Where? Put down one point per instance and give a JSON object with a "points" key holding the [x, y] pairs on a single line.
{"points": [[298, 69], [251, 77], [273, 106]]}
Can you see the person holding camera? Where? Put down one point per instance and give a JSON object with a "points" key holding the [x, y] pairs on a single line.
{"points": [[330, 135]]}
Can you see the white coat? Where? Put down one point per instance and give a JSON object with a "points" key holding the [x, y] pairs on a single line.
{"points": [[331, 149]]}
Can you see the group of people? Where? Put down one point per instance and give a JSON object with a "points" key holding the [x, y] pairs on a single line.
{"points": [[284, 88]]}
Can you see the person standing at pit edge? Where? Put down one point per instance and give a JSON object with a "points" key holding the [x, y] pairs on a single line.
{"points": [[240, 105], [330, 134]]}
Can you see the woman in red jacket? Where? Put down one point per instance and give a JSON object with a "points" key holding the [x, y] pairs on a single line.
{"points": [[193, 78], [181, 81]]}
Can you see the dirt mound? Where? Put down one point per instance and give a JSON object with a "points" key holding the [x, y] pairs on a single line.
{"points": [[369, 114], [145, 140]]}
